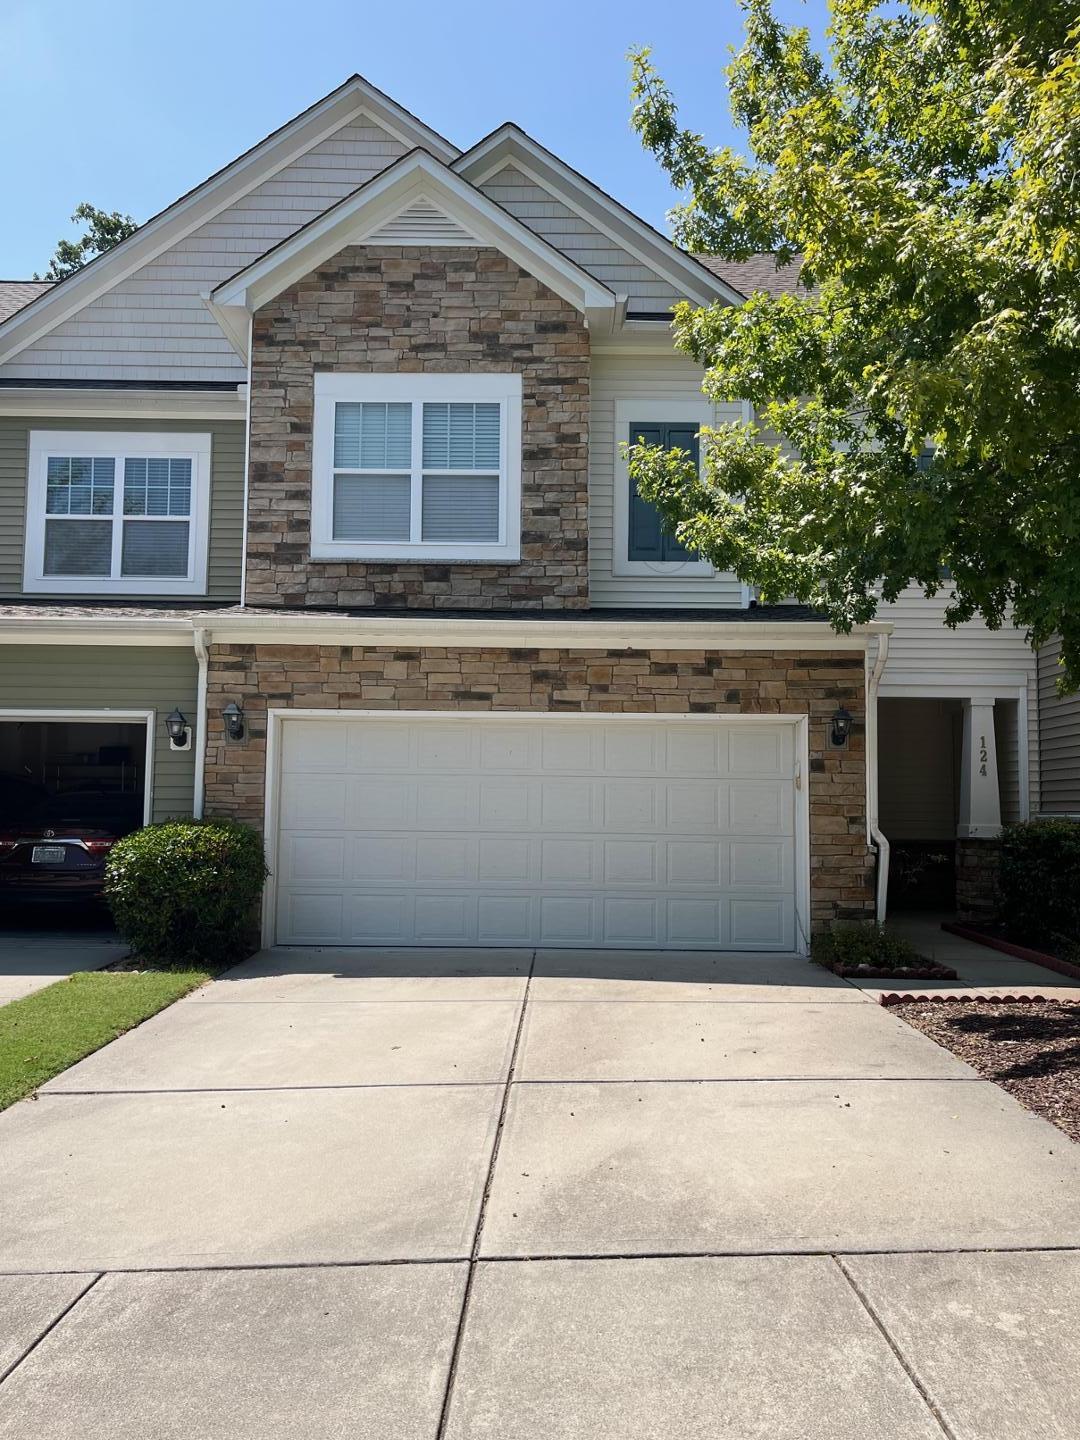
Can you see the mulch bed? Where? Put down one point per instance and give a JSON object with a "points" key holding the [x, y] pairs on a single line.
{"points": [[1031, 1049], [920, 969]]}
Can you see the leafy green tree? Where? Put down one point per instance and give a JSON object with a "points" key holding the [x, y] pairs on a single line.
{"points": [[104, 230], [917, 399]]}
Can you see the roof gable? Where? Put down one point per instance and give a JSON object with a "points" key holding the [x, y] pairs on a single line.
{"points": [[353, 101], [509, 145], [415, 185]]}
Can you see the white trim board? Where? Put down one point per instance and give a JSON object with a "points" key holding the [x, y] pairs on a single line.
{"points": [[277, 718], [103, 717], [356, 97], [120, 445], [294, 629], [34, 402], [385, 196], [503, 389]]}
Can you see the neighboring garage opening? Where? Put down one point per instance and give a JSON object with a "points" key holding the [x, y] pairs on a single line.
{"points": [[76, 769]]}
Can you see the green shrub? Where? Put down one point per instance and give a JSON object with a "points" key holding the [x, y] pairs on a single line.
{"points": [[1039, 881], [870, 944], [186, 890]]}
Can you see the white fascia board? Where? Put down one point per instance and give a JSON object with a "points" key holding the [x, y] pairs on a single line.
{"points": [[237, 628], [41, 402], [96, 630], [416, 175], [351, 100], [509, 145], [546, 634]]}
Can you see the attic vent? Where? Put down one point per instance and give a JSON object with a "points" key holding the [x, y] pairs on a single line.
{"points": [[421, 224]]}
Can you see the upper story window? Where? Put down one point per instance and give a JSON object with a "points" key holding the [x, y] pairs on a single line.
{"points": [[417, 467], [642, 546], [112, 513]]}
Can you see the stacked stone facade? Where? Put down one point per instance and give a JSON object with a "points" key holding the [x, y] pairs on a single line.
{"points": [[335, 677], [391, 310]]}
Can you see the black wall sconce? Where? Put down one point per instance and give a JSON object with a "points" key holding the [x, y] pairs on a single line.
{"points": [[178, 730], [842, 721], [234, 721]]}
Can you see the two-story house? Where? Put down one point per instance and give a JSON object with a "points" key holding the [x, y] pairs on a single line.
{"points": [[313, 512]]}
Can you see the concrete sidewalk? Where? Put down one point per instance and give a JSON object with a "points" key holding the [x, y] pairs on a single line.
{"points": [[503, 1194]]}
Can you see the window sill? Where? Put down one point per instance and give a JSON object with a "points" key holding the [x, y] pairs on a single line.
{"points": [[416, 554], [665, 569], [90, 585]]}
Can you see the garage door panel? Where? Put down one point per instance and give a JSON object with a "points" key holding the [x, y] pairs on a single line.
{"points": [[759, 925], [315, 748], [438, 831], [314, 799], [701, 807], [507, 860], [760, 807], [378, 746]]}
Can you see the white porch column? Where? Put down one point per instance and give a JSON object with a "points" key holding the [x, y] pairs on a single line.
{"points": [[980, 801]]}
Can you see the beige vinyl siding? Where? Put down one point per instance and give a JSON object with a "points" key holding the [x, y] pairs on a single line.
{"points": [[924, 650], [226, 495], [92, 677], [155, 326], [666, 376], [577, 238], [1059, 734]]}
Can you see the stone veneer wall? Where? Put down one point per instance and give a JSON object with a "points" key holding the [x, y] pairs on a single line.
{"points": [[977, 865], [393, 309], [616, 681]]}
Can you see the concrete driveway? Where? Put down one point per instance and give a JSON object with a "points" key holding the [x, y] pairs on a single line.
{"points": [[551, 1196]]}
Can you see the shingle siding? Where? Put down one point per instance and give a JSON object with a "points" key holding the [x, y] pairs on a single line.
{"points": [[154, 325]]}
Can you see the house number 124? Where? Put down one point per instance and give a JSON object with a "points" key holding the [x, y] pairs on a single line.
{"points": [[983, 755]]}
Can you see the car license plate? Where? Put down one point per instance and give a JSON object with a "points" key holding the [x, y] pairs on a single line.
{"points": [[48, 855]]}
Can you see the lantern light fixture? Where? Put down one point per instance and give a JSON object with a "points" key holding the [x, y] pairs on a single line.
{"points": [[234, 721]]}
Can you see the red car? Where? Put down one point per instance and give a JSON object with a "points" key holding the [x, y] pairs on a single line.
{"points": [[58, 850]]}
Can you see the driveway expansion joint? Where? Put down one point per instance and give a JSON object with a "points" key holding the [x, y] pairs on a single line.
{"points": [[901, 1359], [95, 1276], [459, 1333]]}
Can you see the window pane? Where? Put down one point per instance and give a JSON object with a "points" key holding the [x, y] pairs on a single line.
{"points": [[155, 548], [371, 507], [369, 436], [79, 485], [461, 507], [460, 436], [78, 547], [157, 487]]}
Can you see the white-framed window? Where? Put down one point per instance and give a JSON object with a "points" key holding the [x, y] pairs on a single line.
{"points": [[117, 513], [654, 417], [416, 467]]}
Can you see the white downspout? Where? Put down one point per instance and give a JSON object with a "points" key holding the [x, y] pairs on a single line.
{"points": [[202, 655], [874, 833]]}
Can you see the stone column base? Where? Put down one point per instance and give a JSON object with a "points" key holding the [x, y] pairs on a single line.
{"points": [[977, 863]]}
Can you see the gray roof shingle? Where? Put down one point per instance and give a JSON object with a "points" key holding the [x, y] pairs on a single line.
{"points": [[757, 273], [14, 294]]}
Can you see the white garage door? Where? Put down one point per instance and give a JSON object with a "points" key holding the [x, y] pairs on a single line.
{"points": [[579, 831]]}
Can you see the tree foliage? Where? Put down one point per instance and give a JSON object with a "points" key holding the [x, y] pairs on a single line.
{"points": [[104, 229], [917, 399]]}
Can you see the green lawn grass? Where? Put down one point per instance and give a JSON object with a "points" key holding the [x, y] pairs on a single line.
{"points": [[45, 1032]]}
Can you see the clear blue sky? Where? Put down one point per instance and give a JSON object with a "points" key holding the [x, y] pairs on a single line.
{"points": [[129, 103]]}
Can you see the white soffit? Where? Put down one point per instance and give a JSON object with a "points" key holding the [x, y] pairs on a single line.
{"points": [[416, 179], [343, 106], [509, 145]]}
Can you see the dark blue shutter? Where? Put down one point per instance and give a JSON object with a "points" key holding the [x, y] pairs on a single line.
{"points": [[647, 539]]}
